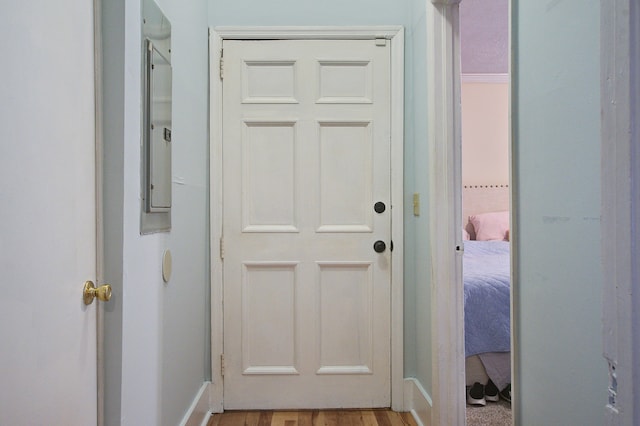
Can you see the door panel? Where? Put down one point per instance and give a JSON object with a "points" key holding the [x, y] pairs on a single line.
{"points": [[269, 177], [345, 297], [306, 154], [345, 81], [345, 155], [269, 347], [47, 226]]}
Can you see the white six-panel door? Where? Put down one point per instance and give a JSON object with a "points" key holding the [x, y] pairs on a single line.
{"points": [[306, 154]]}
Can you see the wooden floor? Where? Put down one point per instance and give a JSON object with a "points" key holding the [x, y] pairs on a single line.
{"points": [[312, 418]]}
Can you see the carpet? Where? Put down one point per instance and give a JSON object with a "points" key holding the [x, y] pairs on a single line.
{"points": [[493, 414]]}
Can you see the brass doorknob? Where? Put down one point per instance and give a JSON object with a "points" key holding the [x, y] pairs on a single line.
{"points": [[90, 292]]}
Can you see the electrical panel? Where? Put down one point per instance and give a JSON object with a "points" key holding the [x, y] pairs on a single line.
{"points": [[156, 120]]}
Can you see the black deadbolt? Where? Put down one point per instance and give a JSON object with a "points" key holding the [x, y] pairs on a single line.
{"points": [[379, 207], [379, 246]]}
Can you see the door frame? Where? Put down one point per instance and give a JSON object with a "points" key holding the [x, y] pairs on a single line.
{"points": [[395, 35], [445, 150], [620, 186], [445, 180], [620, 193]]}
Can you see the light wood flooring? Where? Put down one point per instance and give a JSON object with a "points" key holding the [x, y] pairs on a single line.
{"points": [[312, 418]]}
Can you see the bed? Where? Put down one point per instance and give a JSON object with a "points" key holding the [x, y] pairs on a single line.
{"points": [[486, 275]]}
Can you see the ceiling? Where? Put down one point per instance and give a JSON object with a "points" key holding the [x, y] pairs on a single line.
{"points": [[484, 36]]}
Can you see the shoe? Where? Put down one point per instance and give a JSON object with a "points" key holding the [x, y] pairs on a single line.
{"points": [[475, 395], [491, 392], [506, 393]]}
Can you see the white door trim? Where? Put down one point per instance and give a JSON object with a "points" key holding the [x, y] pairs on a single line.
{"points": [[619, 86], [395, 34], [444, 117], [447, 304]]}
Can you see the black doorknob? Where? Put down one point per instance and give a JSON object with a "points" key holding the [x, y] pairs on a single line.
{"points": [[379, 207], [379, 246]]}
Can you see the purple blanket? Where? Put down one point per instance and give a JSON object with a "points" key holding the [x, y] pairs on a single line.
{"points": [[486, 297]]}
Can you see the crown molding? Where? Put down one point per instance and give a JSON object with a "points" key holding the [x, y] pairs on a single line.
{"points": [[446, 2], [484, 78]]}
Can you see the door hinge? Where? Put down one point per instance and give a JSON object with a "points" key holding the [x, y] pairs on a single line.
{"points": [[222, 248], [221, 64], [222, 364]]}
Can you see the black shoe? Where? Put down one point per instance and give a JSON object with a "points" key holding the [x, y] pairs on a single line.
{"points": [[491, 392], [506, 393], [475, 395]]}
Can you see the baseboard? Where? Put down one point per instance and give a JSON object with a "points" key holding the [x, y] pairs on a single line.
{"points": [[199, 412], [417, 401]]}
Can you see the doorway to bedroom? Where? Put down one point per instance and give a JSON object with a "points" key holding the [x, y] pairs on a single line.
{"points": [[484, 42]]}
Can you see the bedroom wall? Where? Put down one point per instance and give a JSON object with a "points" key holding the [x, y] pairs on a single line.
{"points": [[411, 15], [485, 131], [556, 162], [484, 42], [157, 337]]}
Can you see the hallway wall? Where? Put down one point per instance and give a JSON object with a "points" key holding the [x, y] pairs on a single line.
{"points": [[418, 345], [157, 341], [562, 376]]}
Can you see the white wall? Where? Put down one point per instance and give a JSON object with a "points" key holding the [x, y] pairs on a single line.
{"points": [[562, 377], [485, 131], [307, 12], [157, 349], [185, 341]]}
